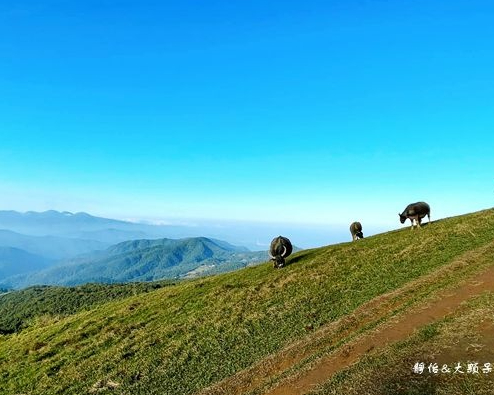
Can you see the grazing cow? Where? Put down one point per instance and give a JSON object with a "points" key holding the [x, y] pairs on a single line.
{"points": [[356, 231], [415, 212], [280, 248]]}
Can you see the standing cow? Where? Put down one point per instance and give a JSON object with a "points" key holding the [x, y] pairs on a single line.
{"points": [[280, 248], [415, 212], [356, 231]]}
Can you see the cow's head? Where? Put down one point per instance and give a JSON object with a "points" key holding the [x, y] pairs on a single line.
{"points": [[403, 218], [360, 235], [279, 260]]}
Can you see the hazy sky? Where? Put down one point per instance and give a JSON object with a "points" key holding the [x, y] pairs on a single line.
{"points": [[274, 111]]}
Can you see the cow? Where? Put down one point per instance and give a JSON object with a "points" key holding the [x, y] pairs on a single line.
{"points": [[415, 212], [280, 248], [356, 231]]}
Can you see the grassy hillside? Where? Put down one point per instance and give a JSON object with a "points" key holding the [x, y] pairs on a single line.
{"points": [[19, 308], [183, 338]]}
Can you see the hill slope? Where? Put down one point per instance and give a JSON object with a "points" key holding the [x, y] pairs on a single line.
{"points": [[19, 308], [190, 336]]}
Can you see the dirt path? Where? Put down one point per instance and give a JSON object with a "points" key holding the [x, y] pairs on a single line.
{"points": [[398, 330], [380, 308]]}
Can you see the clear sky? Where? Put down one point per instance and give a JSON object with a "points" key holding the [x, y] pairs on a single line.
{"points": [[277, 111]]}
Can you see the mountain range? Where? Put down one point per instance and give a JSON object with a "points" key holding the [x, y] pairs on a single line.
{"points": [[61, 248], [143, 260]]}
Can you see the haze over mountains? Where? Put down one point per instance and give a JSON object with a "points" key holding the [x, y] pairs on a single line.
{"points": [[61, 248], [78, 226], [14, 261], [51, 247]]}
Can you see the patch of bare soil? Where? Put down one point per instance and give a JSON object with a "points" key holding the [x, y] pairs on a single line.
{"points": [[259, 376], [467, 350]]}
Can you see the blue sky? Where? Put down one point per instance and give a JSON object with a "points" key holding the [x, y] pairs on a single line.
{"points": [[319, 112]]}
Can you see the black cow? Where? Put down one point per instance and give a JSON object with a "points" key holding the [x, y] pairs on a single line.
{"points": [[280, 248], [356, 231], [415, 212]]}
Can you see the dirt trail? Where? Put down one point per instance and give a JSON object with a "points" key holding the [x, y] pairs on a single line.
{"points": [[399, 329], [380, 308]]}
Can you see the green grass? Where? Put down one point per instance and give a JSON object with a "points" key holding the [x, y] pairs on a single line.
{"points": [[19, 308], [182, 338]]}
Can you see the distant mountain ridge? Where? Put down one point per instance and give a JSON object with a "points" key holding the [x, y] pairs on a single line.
{"points": [[53, 222], [144, 260], [84, 226], [252, 235], [52, 247]]}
